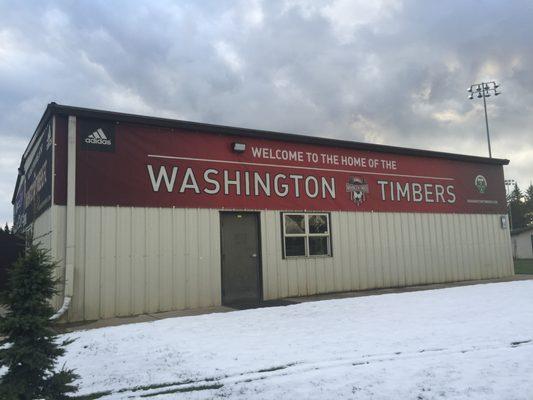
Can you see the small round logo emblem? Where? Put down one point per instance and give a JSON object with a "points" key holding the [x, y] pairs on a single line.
{"points": [[481, 183]]}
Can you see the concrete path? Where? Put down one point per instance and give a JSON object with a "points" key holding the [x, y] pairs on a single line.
{"points": [[294, 300]]}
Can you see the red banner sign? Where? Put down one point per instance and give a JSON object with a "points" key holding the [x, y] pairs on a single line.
{"points": [[134, 165]]}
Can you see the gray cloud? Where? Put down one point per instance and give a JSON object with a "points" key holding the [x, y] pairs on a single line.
{"points": [[387, 71]]}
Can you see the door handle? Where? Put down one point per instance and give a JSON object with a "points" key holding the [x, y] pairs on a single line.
{"points": [[254, 255]]}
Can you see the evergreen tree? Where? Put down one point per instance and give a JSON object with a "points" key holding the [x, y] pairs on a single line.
{"points": [[516, 205], [529, 194], [6, 229], [29, 347]]}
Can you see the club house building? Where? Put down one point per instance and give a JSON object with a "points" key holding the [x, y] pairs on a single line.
{"points": [[147, 214]]}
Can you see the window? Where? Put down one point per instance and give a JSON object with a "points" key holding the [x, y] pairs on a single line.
{"points": [[306, 235]]}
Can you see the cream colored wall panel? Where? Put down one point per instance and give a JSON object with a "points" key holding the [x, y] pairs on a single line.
{"points": [[138, 261], [418, 235], [488, 247], [351, 241], [476, 260], [108, 262], [152, 260], [135, 260], [204, 296], [301, 275], [466, 248], [165, 259], [42, 237], [59, 226], [215, 275], [442, 242], [292, 275], [272, 288], [473, 259], [449, 262], [192, 258], [283, 278], [179, 277], [372, 231], [42, 230], [76, 308], [390, 275], [522, 245], [372, 250], [459, 246], [124, 263], [91, 265], [365, 249], [431, 249], [347, 269]]}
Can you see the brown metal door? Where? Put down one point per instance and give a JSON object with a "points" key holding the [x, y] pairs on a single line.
{"points": [[241, 259]]}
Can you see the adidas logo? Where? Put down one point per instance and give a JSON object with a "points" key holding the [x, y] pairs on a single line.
{"points": [[98, 137]]}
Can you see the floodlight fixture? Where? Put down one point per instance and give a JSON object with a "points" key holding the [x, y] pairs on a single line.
{"points": [[484, 90]]}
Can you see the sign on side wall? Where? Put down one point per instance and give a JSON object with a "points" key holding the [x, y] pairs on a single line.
{"points": [[159, 167], [35, 193]]}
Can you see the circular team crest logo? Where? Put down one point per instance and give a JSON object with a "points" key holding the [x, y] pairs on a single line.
{"points": [[358, 189], [481, 183]]}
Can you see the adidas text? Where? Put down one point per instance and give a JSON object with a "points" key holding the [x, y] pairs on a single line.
{"points": [[106, 142], [98, 137]]}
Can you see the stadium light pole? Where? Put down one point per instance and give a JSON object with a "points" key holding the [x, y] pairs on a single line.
{"points": [[509, 182], [483, 91]]}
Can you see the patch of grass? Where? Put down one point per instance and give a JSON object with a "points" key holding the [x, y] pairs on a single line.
{"points": [[154, 386], [92, 396], [524, 266], [277, 368], [142, 388], [187, 389]]}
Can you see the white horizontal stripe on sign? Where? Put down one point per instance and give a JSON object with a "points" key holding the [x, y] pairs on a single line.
{"points": [[300, 167]]}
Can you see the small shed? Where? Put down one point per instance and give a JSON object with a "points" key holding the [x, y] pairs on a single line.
{"points": [[522, 241]]}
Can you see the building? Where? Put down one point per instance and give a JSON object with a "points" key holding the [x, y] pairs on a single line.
{"points": [[522, 242], [148, 214]]}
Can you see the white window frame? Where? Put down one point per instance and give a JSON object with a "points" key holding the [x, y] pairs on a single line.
{"points": [[306, 235]]}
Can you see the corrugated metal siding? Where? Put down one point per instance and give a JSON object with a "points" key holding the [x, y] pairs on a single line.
{"points": [[44, 237], [42, 230], [376, 250], [522, 245], [141, 260]]}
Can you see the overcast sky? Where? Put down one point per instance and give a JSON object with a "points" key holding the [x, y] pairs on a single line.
{"points": [[391, 72]]}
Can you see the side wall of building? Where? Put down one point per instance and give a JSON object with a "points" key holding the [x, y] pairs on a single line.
{"points": [[131, 261], [378, 250], [523, 245], [45, 235], [141, 260]]}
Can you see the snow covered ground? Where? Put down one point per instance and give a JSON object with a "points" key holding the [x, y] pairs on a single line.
{"points": [[472, 342]]}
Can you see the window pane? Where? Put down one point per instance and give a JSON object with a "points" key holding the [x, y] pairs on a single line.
{"points": [[318, 224], [294, 224], [294, 246], [318, 245]]}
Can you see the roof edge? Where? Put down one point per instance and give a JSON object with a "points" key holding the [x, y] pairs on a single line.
{"points": [[55, 108], [44, 119]]}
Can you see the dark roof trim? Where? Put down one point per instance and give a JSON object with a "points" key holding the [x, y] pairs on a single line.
{"points": [[42, 122], [288, 137]]}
